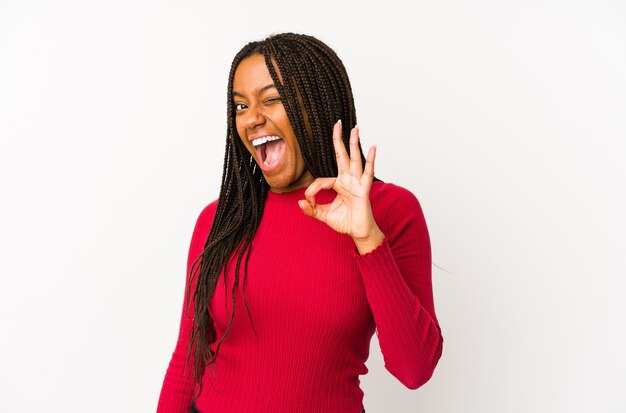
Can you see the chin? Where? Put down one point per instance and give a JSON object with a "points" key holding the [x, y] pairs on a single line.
{"points": [[280, 183], [277, 184]]}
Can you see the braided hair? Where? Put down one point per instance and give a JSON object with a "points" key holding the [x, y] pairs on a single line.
{"points": [[315, 91]]}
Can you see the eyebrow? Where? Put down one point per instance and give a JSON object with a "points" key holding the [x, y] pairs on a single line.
{"points": [[263, 89]]}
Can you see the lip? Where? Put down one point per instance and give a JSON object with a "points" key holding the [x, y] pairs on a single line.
{"points": [[264, 135]]}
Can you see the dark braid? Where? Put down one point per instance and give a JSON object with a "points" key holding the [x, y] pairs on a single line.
{"points": [[316, 87]]}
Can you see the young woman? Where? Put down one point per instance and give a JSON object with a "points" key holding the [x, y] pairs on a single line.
{"points": [[304, 255]]}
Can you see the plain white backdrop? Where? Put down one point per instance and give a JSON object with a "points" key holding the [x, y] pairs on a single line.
{"points": [[506, 118]]}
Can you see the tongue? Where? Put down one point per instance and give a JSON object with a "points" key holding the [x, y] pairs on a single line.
{"points": [[273, 150]]}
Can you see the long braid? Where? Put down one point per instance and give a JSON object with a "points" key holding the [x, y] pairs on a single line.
{"points": [[316, 92]]}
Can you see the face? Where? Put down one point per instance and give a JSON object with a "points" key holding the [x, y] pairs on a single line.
{"points": [[264, 128]]}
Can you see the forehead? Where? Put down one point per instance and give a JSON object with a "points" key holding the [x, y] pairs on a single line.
{"points": [[251, 75]]}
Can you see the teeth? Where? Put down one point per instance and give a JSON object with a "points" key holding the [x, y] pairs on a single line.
{"points": [[261, 141]]}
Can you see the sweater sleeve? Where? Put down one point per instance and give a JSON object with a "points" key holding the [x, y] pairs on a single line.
{"points": [[178, 385], [398, 285]]}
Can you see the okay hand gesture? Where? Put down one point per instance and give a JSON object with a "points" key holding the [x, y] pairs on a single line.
{"points": [[351, 212]]}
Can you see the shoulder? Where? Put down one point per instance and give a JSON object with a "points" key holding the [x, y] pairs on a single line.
{"points": [[203, 225], [392, 198], [207, 213], [396, 210]]}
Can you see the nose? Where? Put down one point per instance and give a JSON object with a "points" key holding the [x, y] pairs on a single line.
{"points": [[254, 117]]}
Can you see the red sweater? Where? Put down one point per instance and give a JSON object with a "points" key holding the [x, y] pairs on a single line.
{"points": [[315, 304]]}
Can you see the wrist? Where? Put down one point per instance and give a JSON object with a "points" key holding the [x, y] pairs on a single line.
{"points": [[370, 242]]}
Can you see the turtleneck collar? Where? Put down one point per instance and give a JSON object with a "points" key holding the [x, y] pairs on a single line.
{"points": [[323, 196]]}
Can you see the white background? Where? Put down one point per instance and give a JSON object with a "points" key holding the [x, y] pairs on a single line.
{"points": [[507, 120]]}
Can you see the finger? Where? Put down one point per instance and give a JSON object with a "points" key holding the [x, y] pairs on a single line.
{"points": [[368, 172], [356, 167], [319, 212], [306, 208], [340, 150], [315, 187]]}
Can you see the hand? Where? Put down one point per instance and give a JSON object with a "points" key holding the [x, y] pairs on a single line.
{"points": [[351, 212]]}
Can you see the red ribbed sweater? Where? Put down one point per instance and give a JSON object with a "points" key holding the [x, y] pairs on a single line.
{"points": [[315, 304]]}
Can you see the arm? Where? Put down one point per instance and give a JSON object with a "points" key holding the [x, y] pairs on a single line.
{"points": [[394, 261], [178, 384], [397, 279]]}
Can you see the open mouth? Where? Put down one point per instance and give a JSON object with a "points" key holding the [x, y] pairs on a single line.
{"points": [[269, 149]]}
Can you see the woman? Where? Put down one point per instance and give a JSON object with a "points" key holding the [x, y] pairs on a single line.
{"points": [[305, 255]]}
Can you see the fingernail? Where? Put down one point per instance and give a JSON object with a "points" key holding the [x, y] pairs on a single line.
{"points": [[339, 121], [356, 126]]}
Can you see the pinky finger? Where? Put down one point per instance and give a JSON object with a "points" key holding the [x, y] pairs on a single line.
{"points": [[368, 172]]}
